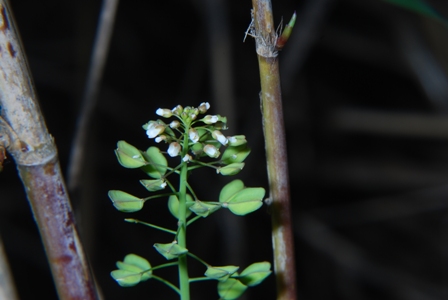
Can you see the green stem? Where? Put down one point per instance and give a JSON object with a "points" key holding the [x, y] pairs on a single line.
{"points": [[166, 282], [200, 279], [182, 232], [164, 266], [193, 219], [150, 225], [282, 236], [198, 259]]}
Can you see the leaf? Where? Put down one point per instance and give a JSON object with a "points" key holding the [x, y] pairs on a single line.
{"points": [[132, 270], [221, 273], [128, 156], [173, 205], [157, 163], [255, 273], [235, 154], [171, 250], [240, 200], [125, 202], [231, 169], [204, 209], [231, 289], [153, 185], [230, 190]]}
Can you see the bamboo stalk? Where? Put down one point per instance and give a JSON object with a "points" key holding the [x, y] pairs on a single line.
{"points": [[263, 30], [24, 134]]}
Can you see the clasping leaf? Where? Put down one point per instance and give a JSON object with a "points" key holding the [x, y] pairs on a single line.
{"points": [[125, 202], [132, 270]]}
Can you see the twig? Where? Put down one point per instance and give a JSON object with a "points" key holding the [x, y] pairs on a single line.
{"points": [[7, 288], [29, 143], [98, 60], [266, 38]]}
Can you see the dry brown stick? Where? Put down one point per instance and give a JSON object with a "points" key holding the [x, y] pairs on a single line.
{"points": [[263, 30], [24, 134]]}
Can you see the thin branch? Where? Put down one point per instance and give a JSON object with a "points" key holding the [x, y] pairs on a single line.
{"points": [[35, 154], [282, 236], [97, 63], [7, 288]]}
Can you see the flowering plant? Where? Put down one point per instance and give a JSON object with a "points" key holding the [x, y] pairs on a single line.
{"points": [[197, 140]]}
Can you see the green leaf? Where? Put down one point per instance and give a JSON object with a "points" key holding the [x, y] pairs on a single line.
{"points": [[125, 202], [239, 199], [235, 154], [128, 156], [231, 289], [132, 270], [204, 209], [230, 190], [171, 250], [157, 163], [173, 205], [231, 169], [255, 273], [221, 273], [237, 140], [246, 201], [153, 185]]}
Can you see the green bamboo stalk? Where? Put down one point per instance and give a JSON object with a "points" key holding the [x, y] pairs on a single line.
{"points": [[263, 30], [24, 134]]}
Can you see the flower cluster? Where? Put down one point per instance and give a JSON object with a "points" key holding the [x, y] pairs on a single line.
{"points": [[199, 136]]}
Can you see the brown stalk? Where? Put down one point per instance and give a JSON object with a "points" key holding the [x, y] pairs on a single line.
{"points": [[24, 134], [263, 30]]}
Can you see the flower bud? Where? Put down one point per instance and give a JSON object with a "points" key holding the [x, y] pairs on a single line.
{"points": [[154, 129], [187, 158], [174, 149], [193, 134], [211, 151], [164, 112], [160, 138], [209, 119], [217, 135], [203, 107], [177, 110], [175, 124]]}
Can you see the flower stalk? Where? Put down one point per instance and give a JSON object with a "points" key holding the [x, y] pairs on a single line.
{"points": [[266, 41]]}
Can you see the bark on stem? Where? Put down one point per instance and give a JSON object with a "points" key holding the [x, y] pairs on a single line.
{"points": [[24, 134], [282, 236]]}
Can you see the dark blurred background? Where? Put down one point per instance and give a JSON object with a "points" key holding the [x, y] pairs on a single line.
{"points": [[365, 92]]}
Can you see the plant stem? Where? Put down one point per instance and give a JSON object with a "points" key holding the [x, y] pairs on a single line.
{"points": [[167, 283], [182, 235], [151, 225], [27, 140], [282, 235]]}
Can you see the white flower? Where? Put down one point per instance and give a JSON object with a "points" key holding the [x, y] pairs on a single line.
{"points": [[163, 185], [160, 138], [193, 134], [217, 135], [203, 107], [175, 124], [187, 158], [154, 129], [177, 110], [164, 112], [211, 151], [174, 149], [209, 119]]}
